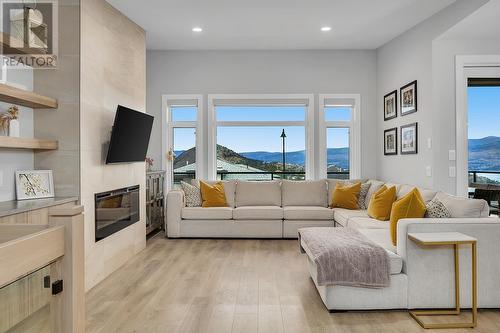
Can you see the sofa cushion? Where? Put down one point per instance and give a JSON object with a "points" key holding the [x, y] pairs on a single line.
{"points": [[381, 203], [375, 185], [304, 193], [367, 223], [258, 213], [211, 213], [331, 183], [346, 196], [307, 213], [341, 215], [229, 188], [463, 207], [192, 194], [380, 236], [435, 209], [258, 193], [213, 195], [426, 194], [411, 205]]}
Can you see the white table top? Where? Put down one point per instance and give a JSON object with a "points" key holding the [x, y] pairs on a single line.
{"points": [[440, 237]]}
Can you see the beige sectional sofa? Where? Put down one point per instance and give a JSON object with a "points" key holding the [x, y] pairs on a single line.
{"points": [[420, 278], [265, 209]]}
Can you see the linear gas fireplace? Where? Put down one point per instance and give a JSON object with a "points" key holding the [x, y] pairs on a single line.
{"points": [[115, 210]]}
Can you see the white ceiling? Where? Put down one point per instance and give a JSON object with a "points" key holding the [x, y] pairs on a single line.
{"points": [[275, 24]]}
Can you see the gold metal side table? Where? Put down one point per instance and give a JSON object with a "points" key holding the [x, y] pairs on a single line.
{"points": [[434, 239]]}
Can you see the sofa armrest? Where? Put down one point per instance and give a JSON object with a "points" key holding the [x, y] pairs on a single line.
{"points": [[175, 203], [430, 270]]}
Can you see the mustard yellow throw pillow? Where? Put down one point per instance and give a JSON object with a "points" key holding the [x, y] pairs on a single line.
{"points": [[409, 206], [381, 203], [213, 195], [346, 196]]}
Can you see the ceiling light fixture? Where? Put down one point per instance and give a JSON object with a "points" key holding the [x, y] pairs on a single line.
{"points": [[197, 29], [325, 29]]}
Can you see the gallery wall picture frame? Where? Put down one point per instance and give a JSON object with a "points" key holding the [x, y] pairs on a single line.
{"points": [[34, 184], [409, 139], [408, 98], [391, 105], [391, 141]]}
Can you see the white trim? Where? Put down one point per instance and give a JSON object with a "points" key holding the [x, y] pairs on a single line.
{"points": [[167, 133], [463, 64], [261, 99], [354, 133]]}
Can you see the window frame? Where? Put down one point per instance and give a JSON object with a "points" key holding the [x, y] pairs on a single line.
{"points": [[354, 126], [168, 133], [260, 100]]}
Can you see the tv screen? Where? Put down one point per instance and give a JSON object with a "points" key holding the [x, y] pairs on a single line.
{"points": [[130, 136]]}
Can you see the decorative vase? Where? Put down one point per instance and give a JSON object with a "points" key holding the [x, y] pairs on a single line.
{"points": [[14, 128]]}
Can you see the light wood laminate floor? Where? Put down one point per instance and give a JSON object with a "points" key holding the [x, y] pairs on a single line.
{"points": [[196, 285]]}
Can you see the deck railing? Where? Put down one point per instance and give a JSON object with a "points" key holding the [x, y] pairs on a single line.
{"points": [[261, 175], [473, 175]]}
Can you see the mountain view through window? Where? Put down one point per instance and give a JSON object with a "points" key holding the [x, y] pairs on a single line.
{"points": [[484, 134]]}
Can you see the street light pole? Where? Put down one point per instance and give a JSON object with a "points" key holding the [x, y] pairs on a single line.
{"points": [[283, 136]]}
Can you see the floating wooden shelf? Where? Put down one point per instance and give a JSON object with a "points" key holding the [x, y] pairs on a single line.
{"points": [[27, 143], [26, 98]]}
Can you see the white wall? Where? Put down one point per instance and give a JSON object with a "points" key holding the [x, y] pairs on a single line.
{"points": [[16, 159], [253, 72], [406, 58]]}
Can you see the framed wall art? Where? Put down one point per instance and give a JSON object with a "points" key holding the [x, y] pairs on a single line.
{"points": [[391, 105], [408, 95], [409, 139]]}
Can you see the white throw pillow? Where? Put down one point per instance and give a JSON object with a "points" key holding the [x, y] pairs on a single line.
{"points": [[192, 194], [437, 210]]}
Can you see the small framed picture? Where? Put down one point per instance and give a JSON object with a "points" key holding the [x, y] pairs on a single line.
{"points": [[391, 105], [391, 141], [409, 139], [408, 95], [34, 184]]}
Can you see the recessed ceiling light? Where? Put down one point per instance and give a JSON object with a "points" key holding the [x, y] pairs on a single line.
{"points": [[324, 29], [197, 29]]}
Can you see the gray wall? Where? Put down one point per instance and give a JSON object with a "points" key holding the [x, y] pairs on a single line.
{"points": [[254, 72], [410, 57], [16, 159], [444, 50]]}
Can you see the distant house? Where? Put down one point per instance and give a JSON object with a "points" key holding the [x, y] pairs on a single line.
{"points": [[226, 170]]}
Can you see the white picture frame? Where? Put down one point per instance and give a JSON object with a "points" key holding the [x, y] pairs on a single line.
{"points": [[34, 184]]}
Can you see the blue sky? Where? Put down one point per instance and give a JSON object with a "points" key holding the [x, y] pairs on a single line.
{"points": [[246, 139], [484, 112]]}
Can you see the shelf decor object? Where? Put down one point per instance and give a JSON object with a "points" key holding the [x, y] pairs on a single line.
{"points": [[26, 98], [454, 239], [27, 143]]}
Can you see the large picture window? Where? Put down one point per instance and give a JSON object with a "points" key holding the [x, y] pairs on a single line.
{"points": [[339, 137], [260, 137]]}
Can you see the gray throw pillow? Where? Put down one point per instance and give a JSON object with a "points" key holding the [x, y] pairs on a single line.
{"points": [[362, 195], [436, 209], [192, 194]]}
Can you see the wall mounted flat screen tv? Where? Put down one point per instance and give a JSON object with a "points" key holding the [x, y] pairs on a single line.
{"points": [[129, 137]]}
